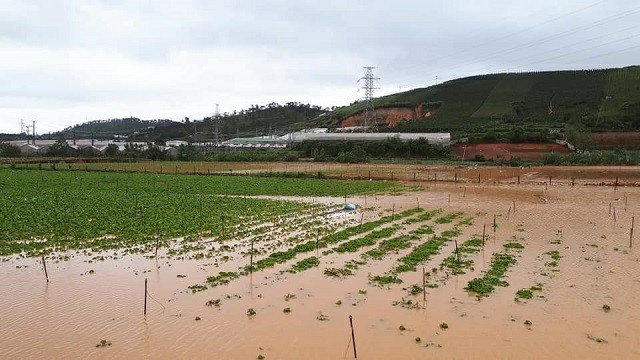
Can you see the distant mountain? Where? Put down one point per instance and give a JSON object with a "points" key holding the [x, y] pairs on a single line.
{"points": [[111, 127], [268, 119], [599, 100]]}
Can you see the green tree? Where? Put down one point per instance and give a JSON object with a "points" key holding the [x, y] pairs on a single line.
{"points": [[61, 148], [9, 150]]}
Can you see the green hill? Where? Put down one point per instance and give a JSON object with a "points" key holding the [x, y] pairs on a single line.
{"points": [[607, 99], [272, 118], [110, 127]]}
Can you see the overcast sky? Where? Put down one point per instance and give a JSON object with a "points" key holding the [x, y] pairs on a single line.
{"points": [[67, 62]]}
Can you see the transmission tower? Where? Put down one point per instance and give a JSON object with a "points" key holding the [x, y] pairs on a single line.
{"points": [[369, 121]]}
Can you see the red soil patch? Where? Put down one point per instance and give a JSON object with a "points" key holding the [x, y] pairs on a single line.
{"points": [[533, 152], [386, 116]]}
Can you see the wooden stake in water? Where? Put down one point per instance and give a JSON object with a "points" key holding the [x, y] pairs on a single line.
{"points": [[393, 212], [494, 224], [633, 220], [46, 274], [457, 252], [455, 177], [424, 285], [615, 187], [484, 230], [417, 203], [361, 219], [615, 219], [514, 206], [318, 240], [464, 193], [609, 209], [518, 179], [145, 297], [157, 244], [251, 258], [353, 337], [449, 199]]}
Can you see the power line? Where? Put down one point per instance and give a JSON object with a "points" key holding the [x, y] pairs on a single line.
{"points": [[513, 33], [563, 34]]}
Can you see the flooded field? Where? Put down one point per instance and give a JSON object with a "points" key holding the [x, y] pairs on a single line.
{"points": [[556, 277]]}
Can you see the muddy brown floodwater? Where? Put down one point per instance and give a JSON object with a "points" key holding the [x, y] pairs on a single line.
{"points": [[68, 317]]}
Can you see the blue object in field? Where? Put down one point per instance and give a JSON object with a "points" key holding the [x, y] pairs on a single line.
{"points": [[350, 207]]}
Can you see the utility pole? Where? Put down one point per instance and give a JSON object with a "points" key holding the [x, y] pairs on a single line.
{"points": [[369, 121], [195, 133], [216, 118], [34, 131]]}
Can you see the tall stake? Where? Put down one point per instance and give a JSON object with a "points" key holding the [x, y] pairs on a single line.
{"points": [[457, 252], [424, 285], [484, 230], [393, 212], [145, 297], [157, 244], [633, 220], [251, 258], [494, 224], [46, 274], [318, 240], [353, 337]]}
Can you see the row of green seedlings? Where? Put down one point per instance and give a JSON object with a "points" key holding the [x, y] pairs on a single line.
{"points": [[350, 246], [387, 246], [421, 253], [297, 227], [284, 256], [301, 228], [554, 258], [500, 263], [302, 231]]}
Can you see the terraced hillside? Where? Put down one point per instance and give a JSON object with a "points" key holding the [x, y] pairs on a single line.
{"points": [[607, 99]]}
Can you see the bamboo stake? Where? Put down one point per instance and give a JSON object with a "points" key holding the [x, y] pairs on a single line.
{"points": [[145, 297], [353, 337], [484, 230], [46, 274], [633, 221], [251, 259], [424, 285]]}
